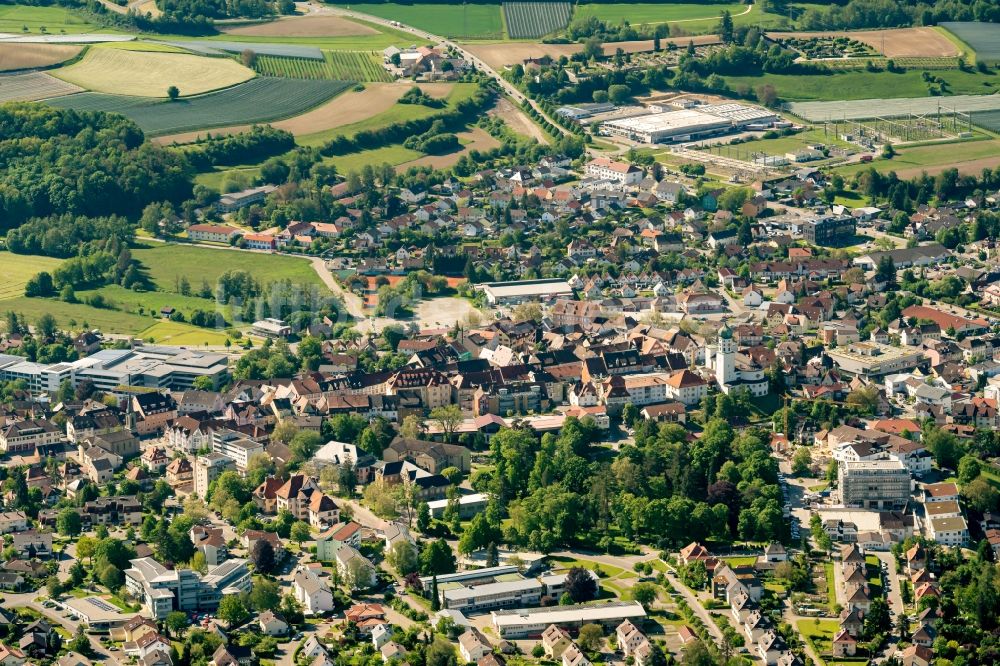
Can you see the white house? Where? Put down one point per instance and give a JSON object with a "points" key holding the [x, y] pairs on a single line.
{"points": [[312, 592]]}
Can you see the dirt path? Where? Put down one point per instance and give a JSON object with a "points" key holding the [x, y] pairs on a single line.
{"points": [[518, 121]]}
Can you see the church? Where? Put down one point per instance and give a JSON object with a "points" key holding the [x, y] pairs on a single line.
{"points": [[734, 371]]}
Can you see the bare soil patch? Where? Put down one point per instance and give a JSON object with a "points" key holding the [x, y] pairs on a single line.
{"points": [[518, 121], [30, 56], [317, 25], [922, 42]]}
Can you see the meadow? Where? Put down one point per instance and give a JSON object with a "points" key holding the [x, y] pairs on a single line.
{"points": [[531, 20], [911, 160], [259, 100], [150, 74], [18, 268], [55, 20], [639, 13], [468, 21], [863, 85]]}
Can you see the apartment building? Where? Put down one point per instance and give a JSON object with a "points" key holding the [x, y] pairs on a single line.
{"points": [[236, 446], [208, 468]]}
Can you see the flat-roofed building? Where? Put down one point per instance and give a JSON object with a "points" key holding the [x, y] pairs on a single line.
{"points": [[873, 359], [272, 328], [207, 468], [953, 531], [512, 293], [682, 125], [97, 614], [162, 590], [874, 484], [236, 446], [227, 203], [531, 622], [488, 597]]}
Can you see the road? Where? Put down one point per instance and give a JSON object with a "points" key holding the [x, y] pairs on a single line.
{"points": [[98, 651], [508, 88], [699, 610]]}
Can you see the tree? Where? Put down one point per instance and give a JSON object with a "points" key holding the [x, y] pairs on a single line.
{"points": [[492, 555], [801, 461], [403, 557], [696, 654], [177, 622], [448, 418], [726, 27], [644, 593], [46, 327], [173, 93], [111, 577], [265, 594], [592, 49], [248, 57], [435, 597], [441, 653], [423, 516], [68, 522], [877, 620], [80, 643], [54, 587], [590, 637], [300, 532], [437, 558], [262, 556], [969, 468], [233, 611], [580, 585]]}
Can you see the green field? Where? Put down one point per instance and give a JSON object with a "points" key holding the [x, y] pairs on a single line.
{"points": [[863, 85], [819, 633], [55, 20], [983, 38], [164, 262], [929, 156], [75, 315], [470, 21], [394, 155], [639, 13], [259, 100], [18, 268], [338, 65]]}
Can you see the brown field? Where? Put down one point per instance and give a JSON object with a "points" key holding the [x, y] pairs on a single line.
{"points": [[30, 56], [509, 53], [304, 26], [966, 168], [349, 107], [518, 121], [478, 139], [896, 43]]}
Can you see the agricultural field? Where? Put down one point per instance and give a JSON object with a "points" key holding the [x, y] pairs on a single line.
{"points": [[33, 86], [149, 74], [280, 50], [861, 85], [969, 157], [531, 20], [394, 114], [338, 65], [55, 20], [639, 13], [31, 56], [983, 38], [466, 21], [260, 100], [922, 42], [18, 269], [303, 26], [881, 62], [987, 119]]}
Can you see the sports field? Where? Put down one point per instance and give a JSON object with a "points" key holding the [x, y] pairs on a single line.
{"points": [[639, 13], [26, 56], [150, 74], [18, 269], [262, 99], [470, 21], [863, 85]]}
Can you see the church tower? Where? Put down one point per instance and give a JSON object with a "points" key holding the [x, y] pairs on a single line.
{"points": [[725, 363]]}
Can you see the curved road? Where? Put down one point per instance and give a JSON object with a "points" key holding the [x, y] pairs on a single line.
{"points": [[505, 85]]}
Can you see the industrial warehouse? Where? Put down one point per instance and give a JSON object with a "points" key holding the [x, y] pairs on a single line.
{"points": [[689, 124]]}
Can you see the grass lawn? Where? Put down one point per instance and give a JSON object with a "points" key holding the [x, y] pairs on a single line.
{"points": [[831, 585], [929, 156], [819, 633], [787, 144], [75, 315], [866, 85], [177, 334], [606, 569], [163, 262], [18, 269], [214, 179], [55, 20], [734, 562], [650, 12], [471, 21]]}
